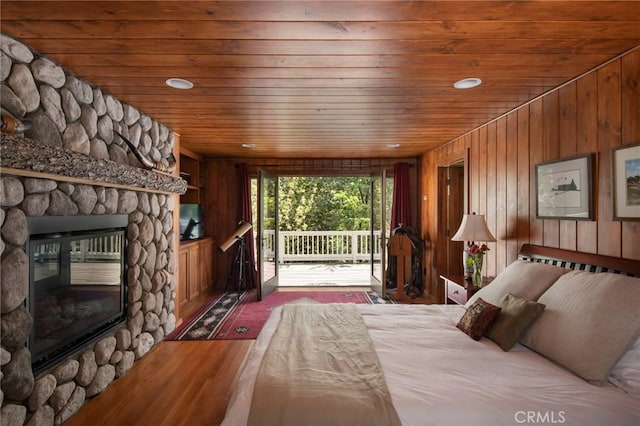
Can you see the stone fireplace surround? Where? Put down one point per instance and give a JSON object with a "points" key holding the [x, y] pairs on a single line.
{"points": [[69, 165], [58, 393]]}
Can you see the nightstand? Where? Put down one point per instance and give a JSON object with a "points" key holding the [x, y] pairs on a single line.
{"points": [[457, 289]]}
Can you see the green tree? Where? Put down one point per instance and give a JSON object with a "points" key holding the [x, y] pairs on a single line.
{"points": [[324, 203]]}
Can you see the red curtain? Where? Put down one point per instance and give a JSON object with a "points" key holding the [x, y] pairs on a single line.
{"points": [[244, 215], [400, 208]]}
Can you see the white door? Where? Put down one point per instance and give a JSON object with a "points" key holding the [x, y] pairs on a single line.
{"points": [[267, 233], [378, 233]]}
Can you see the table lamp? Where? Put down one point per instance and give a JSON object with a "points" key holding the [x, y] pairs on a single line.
{"points": [[473, 228]]}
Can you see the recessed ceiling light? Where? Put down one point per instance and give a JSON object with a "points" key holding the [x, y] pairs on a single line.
{"points": [[467, 83], [393, 145], [179, 83], [248, 145]]}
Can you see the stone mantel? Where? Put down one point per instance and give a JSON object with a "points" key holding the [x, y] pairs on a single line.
{"points": [[23, 156]]}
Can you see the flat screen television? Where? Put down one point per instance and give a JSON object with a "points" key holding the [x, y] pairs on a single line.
{"points": [[191, 223]]}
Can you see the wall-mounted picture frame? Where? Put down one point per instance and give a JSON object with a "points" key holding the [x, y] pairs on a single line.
{"points": [[564, 188], [626, 182]]}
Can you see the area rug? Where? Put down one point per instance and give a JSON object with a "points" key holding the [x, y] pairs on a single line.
{"points": [[229, 317]]}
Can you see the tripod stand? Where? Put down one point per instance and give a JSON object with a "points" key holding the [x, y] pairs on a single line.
{"points": [[240, 261], [237, 237]]}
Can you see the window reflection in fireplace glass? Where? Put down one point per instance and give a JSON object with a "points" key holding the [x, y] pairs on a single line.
{"points": [[46, 261], [77, 284], [96, 260]]}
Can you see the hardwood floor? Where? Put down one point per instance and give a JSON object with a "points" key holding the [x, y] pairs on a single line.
{"points": [[176, 383], [193, 305]]}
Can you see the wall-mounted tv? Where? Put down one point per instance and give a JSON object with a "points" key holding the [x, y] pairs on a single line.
{"points": [[191, 223]]}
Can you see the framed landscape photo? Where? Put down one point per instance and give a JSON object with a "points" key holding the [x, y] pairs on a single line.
{"points": [[564, 189], [626, 183]]}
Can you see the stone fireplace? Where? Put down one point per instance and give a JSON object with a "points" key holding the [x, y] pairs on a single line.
{"points": [[70, 165], [54, 395]]}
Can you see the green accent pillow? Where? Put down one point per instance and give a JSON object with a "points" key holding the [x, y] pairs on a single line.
{"points": [[516, 316], [477, 318]]}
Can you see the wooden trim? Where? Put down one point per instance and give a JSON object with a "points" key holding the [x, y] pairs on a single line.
{"points": [[176, 233], [62, 178], [580, 260], [188, 153]]}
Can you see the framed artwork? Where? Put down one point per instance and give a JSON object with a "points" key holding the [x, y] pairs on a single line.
{"points": [[564, 189], [626, 183]]}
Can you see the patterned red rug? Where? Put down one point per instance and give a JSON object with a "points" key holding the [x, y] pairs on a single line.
{"points": [[225, 317]]}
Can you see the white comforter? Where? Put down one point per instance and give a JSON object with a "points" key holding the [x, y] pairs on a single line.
{"points": [[438, 375]]}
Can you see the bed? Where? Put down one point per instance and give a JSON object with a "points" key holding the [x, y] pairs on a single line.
{"points": [[575, 361]]}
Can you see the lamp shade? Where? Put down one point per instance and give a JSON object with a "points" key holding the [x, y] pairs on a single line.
{"points": [[473, 228]]}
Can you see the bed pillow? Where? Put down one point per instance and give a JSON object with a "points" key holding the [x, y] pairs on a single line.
{"points": [[521, 278], [516, 315], [589, 321], [477, 318], [626, 373]]}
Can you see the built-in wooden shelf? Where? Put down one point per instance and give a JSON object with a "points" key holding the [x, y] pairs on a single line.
{"points": [[191, 171]]}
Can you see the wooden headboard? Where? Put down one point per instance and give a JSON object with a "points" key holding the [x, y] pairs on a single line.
{"points": [[579, 261]]}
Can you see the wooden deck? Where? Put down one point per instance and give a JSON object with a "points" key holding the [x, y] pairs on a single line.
{"points": [[324, 275]]}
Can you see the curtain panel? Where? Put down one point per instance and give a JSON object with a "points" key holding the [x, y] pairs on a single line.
{"points": [[400, 207], [250, 278]]}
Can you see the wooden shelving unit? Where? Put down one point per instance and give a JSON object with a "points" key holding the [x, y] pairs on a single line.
{"points": [[191, 171], [195, 258]]}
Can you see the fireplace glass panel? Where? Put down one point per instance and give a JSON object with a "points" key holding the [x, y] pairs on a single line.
{"points": [[77, 289]]}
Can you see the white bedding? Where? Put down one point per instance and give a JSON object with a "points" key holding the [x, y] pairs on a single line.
{"points": [[438, 375]]}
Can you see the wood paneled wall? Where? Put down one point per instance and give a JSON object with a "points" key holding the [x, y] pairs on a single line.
{"points": [[591, 114], [220, 200], [220, 204]]}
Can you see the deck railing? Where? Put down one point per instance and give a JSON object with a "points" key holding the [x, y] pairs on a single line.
{"points": [[81, 250], [323, 246]]}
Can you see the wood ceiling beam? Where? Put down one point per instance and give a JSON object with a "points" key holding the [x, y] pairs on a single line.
{"points": [[343, 30], [558, 71], [426, 62], [321, 10], [164, 46]]}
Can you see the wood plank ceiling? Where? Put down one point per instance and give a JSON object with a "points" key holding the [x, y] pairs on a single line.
{"points": [[324, 79]]}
